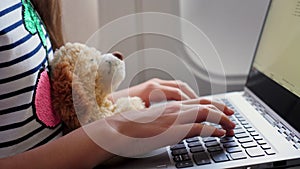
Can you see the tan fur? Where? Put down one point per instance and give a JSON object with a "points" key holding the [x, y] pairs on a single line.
{"points": [[77, 93]]}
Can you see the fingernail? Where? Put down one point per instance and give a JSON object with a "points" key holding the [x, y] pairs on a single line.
{"points": [[232, 125], [230, 133], [231, 111], [221, 132]]}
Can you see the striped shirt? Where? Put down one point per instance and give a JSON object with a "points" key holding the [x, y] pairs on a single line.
{"points": [[22, 59]]}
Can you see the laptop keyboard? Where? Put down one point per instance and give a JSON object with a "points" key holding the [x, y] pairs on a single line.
{"points": [[281, 128], [247, 143]]}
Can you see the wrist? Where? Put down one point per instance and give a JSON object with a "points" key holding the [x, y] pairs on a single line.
{"points": [[104, 138]]}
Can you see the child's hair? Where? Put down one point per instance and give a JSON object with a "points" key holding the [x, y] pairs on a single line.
{"points": [[50, 13]]}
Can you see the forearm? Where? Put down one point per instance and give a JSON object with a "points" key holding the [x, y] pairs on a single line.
{"points": [[75, 150]]}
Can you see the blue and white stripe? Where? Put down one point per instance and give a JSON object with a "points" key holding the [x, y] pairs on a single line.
{"points": [[21, 58]]}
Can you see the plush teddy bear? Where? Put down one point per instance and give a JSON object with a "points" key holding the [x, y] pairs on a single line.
{"points": [[81, 79]]}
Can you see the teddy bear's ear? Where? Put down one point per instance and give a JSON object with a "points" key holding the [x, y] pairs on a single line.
{"points": [[61, 84], [70, 97]]}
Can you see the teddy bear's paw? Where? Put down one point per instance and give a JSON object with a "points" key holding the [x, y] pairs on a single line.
{"points": [[129, 103]]}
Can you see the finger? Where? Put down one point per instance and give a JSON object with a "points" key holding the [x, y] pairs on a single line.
{"points": [[187, 131], [174, 93], [220, 106], [180, 85], [217, 117], [230, 133], [200, 114], [198, 129]]}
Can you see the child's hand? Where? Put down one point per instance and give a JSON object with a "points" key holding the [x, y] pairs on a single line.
{"points": [[133, 133], [157, 90]]}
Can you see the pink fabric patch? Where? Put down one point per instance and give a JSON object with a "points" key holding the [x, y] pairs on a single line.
{"points": [[43, 106]]}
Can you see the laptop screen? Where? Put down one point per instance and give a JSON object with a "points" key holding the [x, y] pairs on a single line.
{"points": [[275, 74]]}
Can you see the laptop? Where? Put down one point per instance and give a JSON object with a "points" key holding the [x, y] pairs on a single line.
{"points": [[267, 112]]}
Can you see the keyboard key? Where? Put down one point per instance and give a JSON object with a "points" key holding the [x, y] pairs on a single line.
{"points": [[179, 152], [244, 123], [245, 140], [288, 138], [238, 155], [257, 138], [255, 152], [237, 126], [230, 144], [270, 152], [231, 118], [261, 142], [184, 164], [281, 130], [249, 145], [279, 125], [287, 132], [185, 157], [241, 119], [197, 149], [297, 145], [208, 139], [194, 144], [177, 146], [294, 139], [269, 119], [177, 158], [226, 139], [265, 147], [180, 158], [254, 134], [214, 149], [236, 112], [238, 116], [193, 139], [247, 126], [240, 130], [219, 156], [250, 130], [233, 149], [211, 144], [201, 158], [241, 135], [292, 134]]}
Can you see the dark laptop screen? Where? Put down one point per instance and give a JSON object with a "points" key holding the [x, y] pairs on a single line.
{"points": [[275, 74]]}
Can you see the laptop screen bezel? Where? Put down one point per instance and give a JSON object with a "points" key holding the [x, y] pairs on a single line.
{"points": [[282, 101]]}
